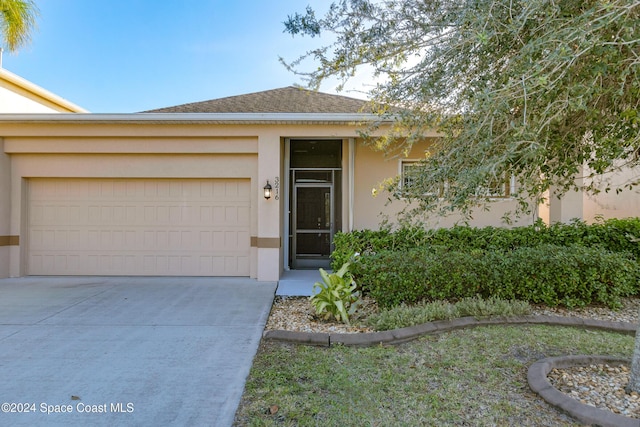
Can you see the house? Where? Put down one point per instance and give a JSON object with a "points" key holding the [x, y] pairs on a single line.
{"points": [[18, 95], [249, 185]]}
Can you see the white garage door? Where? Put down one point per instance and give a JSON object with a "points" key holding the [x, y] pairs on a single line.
{"points": [[151, 227]]}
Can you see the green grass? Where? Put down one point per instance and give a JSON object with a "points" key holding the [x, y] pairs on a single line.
{"points": [[471, 377]]}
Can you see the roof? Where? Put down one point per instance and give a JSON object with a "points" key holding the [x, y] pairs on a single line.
{"points": [[350, 119], [284, 100], [38, 92]]}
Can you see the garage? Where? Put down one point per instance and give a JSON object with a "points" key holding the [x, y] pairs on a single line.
{"points": [[145, 227]]}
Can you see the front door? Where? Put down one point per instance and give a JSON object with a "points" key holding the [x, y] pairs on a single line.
{"points": [[313, 225], [315, 201]]}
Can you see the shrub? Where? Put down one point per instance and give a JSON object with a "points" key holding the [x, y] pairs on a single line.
{"points": [[394, 277], [554, 275], [616, 235], [370, 242]]}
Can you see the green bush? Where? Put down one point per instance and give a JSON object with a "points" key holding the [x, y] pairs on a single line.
{"points": [[370, 242], [571, 276], [616, 235]]}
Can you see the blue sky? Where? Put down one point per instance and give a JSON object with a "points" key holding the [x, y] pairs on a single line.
{"points": [[123, 56]]}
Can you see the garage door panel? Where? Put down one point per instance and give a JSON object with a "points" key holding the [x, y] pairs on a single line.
{"points": [[139, 227]]}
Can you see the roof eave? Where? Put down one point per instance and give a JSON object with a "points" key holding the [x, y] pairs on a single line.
{"points": [[197, 118]]}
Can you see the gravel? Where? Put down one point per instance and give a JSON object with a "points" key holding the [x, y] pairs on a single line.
{"points": [[601, 386], [297, 314]]}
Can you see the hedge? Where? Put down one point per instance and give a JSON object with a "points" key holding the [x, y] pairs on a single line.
{"points": [[616, 235], [572, 276]]}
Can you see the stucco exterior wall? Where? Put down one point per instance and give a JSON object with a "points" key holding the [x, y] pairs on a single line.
{"points": [[269, 212], [371, 168], [611, 205], [128, 149], [5, 210]]}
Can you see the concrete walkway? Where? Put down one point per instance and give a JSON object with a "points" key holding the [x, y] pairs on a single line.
{"points": [[127, 351], [298, 283]]}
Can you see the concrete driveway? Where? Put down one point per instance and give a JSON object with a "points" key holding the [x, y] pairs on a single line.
{"points": [[127, 351]]}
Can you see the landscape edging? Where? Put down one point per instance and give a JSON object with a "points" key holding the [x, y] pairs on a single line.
{"points": [[402, 335], [539, 383]]}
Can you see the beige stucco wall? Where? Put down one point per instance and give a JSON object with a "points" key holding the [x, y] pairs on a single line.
{"points": [[590, 207], [569, 207], [372, 167], [611, 205], [5, 210], [269, 211]]}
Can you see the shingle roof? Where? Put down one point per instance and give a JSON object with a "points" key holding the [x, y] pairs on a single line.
{"points": [[284, 100]]}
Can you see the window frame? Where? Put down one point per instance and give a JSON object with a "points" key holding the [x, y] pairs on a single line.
{"points": [[507, 185], [402, 184]]}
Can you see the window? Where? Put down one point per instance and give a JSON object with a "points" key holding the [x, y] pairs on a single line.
{"points": [[410, 178], [408, 173], [497, 188]]}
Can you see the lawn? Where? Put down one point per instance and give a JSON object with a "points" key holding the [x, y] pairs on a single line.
{"points": [[473, 377]]}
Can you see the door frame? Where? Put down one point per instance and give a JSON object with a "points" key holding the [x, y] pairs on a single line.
{"points": [[294, 220], [348, 151]]}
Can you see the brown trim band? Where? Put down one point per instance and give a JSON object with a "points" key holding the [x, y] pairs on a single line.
{"points": [[265, 242], [9, 240]]}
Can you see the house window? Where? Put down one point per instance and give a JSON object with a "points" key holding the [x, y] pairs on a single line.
{"points": [[410, 178], [499, 188], [409, 171]]}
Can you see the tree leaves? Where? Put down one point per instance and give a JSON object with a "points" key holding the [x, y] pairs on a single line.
{"points": [[534, 89]]}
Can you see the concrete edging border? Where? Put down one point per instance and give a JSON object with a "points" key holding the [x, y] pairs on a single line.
{"points": [[539, 383], [398, 336]]}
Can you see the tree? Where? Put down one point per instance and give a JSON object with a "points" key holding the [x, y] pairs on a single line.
{"points": [[17, 21], [535, 89]]}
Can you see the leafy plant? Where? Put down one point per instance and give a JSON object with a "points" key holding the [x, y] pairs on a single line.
{"points": [[337, 295]]}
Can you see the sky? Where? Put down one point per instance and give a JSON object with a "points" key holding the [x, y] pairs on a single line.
{"points": [[125, 56]]}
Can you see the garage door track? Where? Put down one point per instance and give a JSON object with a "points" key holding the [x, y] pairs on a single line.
{"points": [[127, 351]]}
